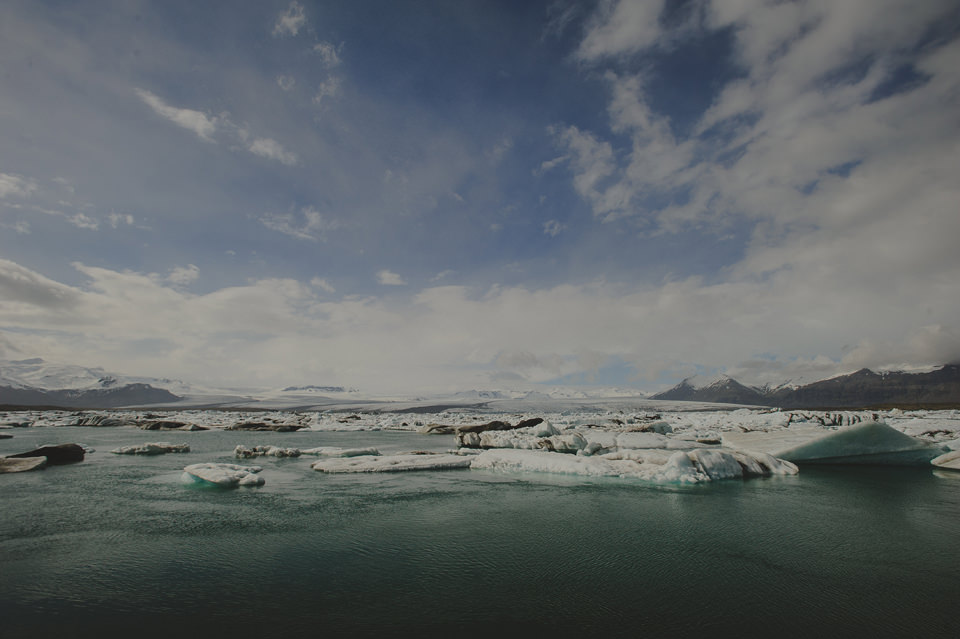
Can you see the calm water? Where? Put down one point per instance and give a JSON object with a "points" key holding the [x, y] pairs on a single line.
{"points": [[118, 544]]}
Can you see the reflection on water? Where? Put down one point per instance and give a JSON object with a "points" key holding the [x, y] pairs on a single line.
{"points": [[119, 544]]}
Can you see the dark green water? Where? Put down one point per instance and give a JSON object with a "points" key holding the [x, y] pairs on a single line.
{"points": [[118, 545]]}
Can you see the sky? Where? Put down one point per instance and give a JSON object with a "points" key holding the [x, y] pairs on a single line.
{"points": [[481, 194]]}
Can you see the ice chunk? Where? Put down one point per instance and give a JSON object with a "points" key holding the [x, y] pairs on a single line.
{"points": [[223, 475], [336, 451], [550, 462], [152, 448], [950, 461], [391, 463], [261, 451], [9, 465], [863, 443]]}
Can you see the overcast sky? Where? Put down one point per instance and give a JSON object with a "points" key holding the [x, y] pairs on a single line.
{"points": [[435, 195]]}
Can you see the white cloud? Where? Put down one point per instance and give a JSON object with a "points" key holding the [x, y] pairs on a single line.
{"points": [[119, 219], [198, 122], [329, 54], [272, 150], [389, 278], [290, 21], [83, 221], [329, 88], [16, 186], [322, 284], [553, 228], [453, 336], [183, 275], [622, 27], [286, 82], [309, 224]]}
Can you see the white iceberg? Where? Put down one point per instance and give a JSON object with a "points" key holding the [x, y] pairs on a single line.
{"points": [[391, 463], [223, 475], [681, 467], [863, 443], [152, 448]]}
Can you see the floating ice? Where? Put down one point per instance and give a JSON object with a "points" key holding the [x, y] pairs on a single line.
{"points": [[152, 448], [681, 467], [391, 463], [863, 443], [336, 451], [950, 461], [223, 475], [10, 465], [243, 452]]}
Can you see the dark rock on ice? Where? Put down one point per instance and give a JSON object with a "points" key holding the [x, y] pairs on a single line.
{"points": [[100, 420], [169, 425], [498, 425], [279, 428], [58, 454]]}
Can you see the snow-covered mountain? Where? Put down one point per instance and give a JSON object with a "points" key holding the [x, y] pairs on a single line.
{"points": [[863, 388], [40, 374]]}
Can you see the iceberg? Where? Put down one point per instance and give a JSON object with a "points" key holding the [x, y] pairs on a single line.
{"points": [[152, 448], [243, 452], [223, 475], [949, 461], [864, 443], [693, 466], [392, 463], [9, 465]]}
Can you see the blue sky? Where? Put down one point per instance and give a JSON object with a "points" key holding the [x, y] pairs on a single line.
{"points": [[448, 195]]}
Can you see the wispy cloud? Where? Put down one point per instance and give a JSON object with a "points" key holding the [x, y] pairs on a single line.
{"points": [[290, 21], [329, 54], [329, 88], [307, 224], [271, 149], [389, 278], [553, 228], [183, 275], [200, 123], [16, 186]]}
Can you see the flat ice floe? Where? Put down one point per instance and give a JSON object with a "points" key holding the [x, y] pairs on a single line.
{"points": [[223, 475], [337, 451], [152, 448], [391, 463], [864, 443], [693, 466]]}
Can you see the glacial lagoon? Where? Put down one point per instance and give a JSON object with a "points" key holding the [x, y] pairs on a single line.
{"points": [[120, 544]]}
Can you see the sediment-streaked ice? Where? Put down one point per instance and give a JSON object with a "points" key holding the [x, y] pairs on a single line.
{"points": [[152, 448], [337, 451], [392, 463], [243, 452], [223, 475], [863, 443]]}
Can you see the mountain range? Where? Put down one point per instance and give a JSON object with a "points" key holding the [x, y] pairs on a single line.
{"points": [[35, 382], [863, 389]]}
